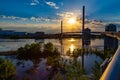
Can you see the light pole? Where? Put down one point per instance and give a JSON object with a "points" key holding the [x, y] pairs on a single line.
{"points": [[61, 36], [83, 25], [61, 29]]}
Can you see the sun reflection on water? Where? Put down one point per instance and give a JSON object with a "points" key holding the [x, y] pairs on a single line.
{"points": [[72, 39], [69, 45], [72, 47]]}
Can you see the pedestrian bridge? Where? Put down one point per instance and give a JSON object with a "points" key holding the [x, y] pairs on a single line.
{"points": [[112, 71], [114, 35]]}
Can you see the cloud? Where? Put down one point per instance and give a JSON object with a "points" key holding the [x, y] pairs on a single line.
{"points": [[47, 19], [12, 18], [66, 15], [94, 25], [34, 2], [69, 14], [47, 22], [52, 4], [36, 19], [30, 19], [31, 27]]}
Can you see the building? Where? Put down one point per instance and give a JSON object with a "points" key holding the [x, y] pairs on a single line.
{"points": [[87, 31], [12, 33], [6, 32], [110, 28], [109, 42], [21, 34], [36, 35], [87, 36]]}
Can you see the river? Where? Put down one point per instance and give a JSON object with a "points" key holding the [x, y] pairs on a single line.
{"points": [[63, 46]]}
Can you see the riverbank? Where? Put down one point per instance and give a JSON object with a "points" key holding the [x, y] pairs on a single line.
{"points": [[8, 53], [52, 36]]}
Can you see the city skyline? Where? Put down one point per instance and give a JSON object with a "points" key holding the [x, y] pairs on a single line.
{"points": [[45, 15]]}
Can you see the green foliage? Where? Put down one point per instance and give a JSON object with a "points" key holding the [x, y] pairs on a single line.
{"points": [[7, 69], [96, 71], [96, 51], [33, 51], [76, 52], [109, 53], [53, 61], [29, 51], [69, 70], [49, 47], [59, 76], [50, 50], [74, 70], [103, 54]]}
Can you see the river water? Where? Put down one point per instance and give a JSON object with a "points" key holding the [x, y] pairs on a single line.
{"points": [[62, 45], [13, 44]]}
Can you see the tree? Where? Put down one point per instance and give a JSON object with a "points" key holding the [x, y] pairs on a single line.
{"points": [[7, 69], [70, 70], [50, 50], [96, 71], [32, 51]]}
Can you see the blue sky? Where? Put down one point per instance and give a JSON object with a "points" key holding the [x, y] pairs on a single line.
{"points": [[44, 15]]}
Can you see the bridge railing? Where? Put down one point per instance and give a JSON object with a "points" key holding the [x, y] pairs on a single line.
{"points": [[112, 71]]}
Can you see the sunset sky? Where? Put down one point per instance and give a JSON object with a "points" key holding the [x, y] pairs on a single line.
{"points": [[45, 15]]}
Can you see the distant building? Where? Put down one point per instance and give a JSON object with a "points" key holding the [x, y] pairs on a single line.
{"points": [[109, 42], [6, 32], [87, 35], [119, 33], [11, 33], [36, 35], [110, 28], [39, 34], [87, 31], [20, 33], [31, 34]]}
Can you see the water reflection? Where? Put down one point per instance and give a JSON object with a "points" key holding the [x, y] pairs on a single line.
{"points": [[63, 45], [72, 39], [69, 44], [110, 43], [72, 47]]}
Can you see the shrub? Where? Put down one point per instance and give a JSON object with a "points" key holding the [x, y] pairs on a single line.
{"points": [[7, 69]]}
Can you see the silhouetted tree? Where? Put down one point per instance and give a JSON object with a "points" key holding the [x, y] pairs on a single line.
{"points": [[50, 50], [32, 51]]}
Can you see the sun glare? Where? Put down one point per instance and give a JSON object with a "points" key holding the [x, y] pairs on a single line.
{"points": [[72, 40], [72, 21], [72, 47]]}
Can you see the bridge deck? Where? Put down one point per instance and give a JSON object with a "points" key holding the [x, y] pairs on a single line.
{"points": [[117, 36]]}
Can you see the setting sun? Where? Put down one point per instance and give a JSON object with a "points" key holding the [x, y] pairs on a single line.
{"points": [[72, 21]]}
